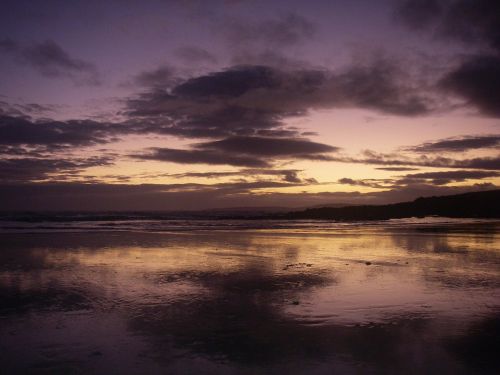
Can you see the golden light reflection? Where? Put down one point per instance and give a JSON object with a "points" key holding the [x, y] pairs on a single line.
{"points": [[364, 275]]}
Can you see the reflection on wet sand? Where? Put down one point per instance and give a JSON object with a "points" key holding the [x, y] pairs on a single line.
{"points": [[417, 300]]}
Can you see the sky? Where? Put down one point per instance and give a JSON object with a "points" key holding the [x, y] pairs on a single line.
{"points": [[189, 105]]}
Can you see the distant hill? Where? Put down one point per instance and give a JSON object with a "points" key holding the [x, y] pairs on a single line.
{"points": [[484, 204]]}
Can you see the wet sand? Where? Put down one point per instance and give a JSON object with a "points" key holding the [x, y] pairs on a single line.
{"points": [[355, 301]]}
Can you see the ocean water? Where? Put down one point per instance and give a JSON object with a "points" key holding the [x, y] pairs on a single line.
{"points": [[141, 294]]}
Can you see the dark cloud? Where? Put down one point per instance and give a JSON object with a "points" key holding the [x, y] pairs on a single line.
{"points": [[281, 133], [492, 163], [269, 147], [204, 121], [289, 175], [37, 108], [379, 86], [23, 151], [469, 21], [163, 76], [202, 157], [229, 84], [51, 60], [50, 133], [459, 144], [246, 100], [206, 174], [475, 23], [30, 169], [244, 151], [25, 109], [373, 183], [32, 151], [8, 109], [472, 21], [477, 80], [421, 179], [442, 178], [371, 157], [419, 14]]}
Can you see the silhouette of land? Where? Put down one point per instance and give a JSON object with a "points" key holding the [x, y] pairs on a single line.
{"points": [[484, 204]]}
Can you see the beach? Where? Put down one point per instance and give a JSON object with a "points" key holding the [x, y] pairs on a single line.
{"points": [[309, 297]]}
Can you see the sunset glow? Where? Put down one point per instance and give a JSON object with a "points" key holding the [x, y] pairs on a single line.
{"points": [[244, 103]]}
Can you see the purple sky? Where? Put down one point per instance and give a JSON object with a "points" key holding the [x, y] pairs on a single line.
{"points": [[200, 104]]}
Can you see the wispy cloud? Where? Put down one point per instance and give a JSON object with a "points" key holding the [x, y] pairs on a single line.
{"points": [[459, 144], [51, 60], [29, 169]]}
